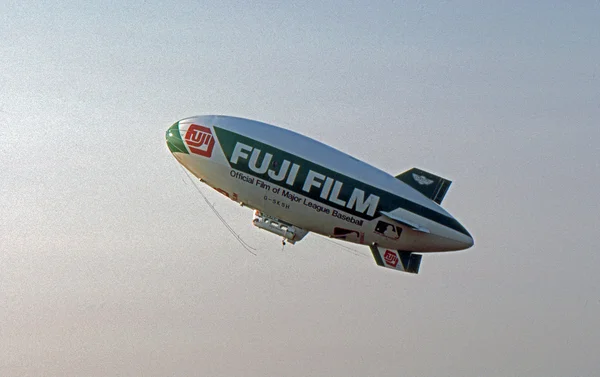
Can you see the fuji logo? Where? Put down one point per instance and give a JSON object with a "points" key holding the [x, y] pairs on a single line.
{"points": [[390, 258], [200, 140]]}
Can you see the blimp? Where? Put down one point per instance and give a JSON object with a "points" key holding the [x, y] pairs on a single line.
{"points": [[295, 185]]}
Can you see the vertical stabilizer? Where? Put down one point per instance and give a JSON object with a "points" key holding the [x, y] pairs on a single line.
{"points": [[430, 185], [397, 260]]}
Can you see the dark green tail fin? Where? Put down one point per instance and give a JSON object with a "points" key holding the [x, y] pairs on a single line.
{"points": [[430, 185]]}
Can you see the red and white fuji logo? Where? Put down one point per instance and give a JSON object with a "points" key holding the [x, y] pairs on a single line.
{"points": [[200, 140], [390, 258]]}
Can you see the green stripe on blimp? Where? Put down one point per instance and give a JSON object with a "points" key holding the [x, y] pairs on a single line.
{"points": [[174, 141], [387, 201]]}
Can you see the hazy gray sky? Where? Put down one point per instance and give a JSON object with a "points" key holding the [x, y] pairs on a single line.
{"points": [[111, 264]]}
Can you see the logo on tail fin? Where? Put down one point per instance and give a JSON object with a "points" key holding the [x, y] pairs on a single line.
{"points": [[422, 180], [391, 258]]}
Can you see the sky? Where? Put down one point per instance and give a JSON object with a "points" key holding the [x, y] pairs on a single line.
{"points": [[111, 264]]}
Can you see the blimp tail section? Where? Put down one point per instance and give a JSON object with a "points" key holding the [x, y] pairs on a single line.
{"points": [[430, 185], [397, 260]]}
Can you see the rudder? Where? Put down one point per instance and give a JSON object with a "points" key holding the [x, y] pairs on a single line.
{"points": [[397, 260], [430, 185]]}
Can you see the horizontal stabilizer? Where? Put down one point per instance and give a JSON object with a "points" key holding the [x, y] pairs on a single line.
{"points": [[403, 221], [397, 260], [430, 185]]}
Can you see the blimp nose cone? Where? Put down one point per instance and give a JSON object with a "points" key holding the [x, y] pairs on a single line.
{"points": [[174, 141]]}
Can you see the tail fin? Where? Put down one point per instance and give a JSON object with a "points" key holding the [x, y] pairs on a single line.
{"points": [[430, 185], [397, 260]]}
